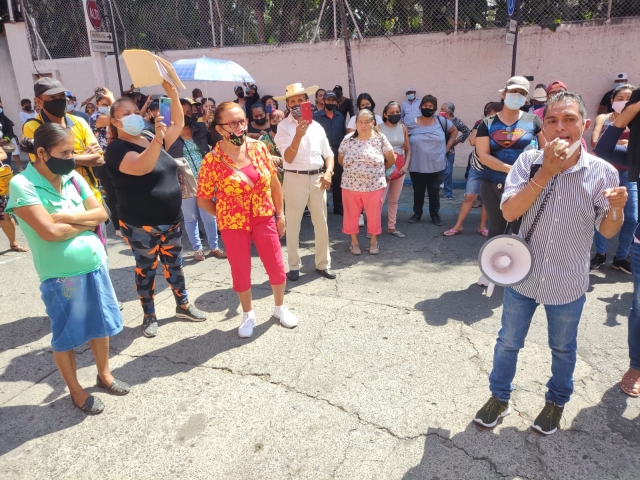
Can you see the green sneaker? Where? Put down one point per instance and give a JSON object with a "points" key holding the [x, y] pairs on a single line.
{"points": [[549, 419], [488, 415]]}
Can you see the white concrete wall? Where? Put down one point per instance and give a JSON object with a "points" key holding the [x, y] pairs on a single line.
{"points": [[467, 68], [9, 92]]}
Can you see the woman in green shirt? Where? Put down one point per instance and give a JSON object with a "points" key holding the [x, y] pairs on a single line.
{"points": [[59, 214]]}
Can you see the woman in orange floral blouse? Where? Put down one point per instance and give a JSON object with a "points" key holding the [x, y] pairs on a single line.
{"points": [[240, 175]]}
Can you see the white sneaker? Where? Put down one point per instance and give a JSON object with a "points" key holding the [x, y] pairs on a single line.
{"points": [[361, 220], [287, 319], [245, 330], [482, 281]]}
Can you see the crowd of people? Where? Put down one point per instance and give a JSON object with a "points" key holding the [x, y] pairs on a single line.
{"points": [[249, 170]]}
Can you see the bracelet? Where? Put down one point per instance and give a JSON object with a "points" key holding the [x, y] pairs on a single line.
{"points": [[280, 216], [534, 190], [536, 183], [155, 139], [293, 149]]}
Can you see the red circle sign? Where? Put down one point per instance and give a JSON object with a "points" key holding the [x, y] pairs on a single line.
{"points": [[94, 14]]}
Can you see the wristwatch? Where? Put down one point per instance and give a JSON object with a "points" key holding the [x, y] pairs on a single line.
{"points": [[329, 171]]}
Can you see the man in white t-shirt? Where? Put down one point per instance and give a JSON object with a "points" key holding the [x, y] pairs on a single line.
{"points": [[308, 165]]}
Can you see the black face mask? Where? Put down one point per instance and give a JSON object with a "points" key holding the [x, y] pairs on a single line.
{"points": [[427, 112], [60, 166], [369, 107], [338, 93], [240, 94], [152, 120], [393, 119], [57, 107], [187, 120], [194, 117], [274, 128], [28, 108], [330, 106], [260, 121]]}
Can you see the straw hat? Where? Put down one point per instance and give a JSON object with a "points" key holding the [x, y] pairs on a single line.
{"points": [[296, 89]]}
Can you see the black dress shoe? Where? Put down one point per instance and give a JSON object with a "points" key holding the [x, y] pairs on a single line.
{"points": [[415, 218], [437, 221], [293, 275], [327, 273]]}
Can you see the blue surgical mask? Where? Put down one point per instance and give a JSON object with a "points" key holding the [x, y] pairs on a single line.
{"points": [[133, 125], [411, 97], [71, 107], [1, 110], [103, 109], [513, 101]]}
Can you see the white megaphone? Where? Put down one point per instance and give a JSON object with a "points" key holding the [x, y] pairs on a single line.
{"points": [[505, 260]]}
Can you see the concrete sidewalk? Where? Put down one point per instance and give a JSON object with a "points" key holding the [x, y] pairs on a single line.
{"points": [[380, 380]]}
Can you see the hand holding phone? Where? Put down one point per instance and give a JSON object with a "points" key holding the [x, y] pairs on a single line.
{"points": [[307, 113], [165, 110]]}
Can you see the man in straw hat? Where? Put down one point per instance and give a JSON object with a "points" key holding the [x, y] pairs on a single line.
{"points": [[308, 165]]}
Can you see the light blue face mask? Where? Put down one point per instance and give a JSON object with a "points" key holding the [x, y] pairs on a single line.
{"points": [[411, 97], [132, 124], [513, 101], [103, 109], [1, 110]]}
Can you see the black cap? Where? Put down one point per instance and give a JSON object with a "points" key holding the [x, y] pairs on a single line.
{"points": [[338, 87], [48, 86], [330, 94]]}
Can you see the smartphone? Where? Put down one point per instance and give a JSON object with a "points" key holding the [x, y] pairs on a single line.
{"points": [[307, 114], [165, 110], [268, 109]]}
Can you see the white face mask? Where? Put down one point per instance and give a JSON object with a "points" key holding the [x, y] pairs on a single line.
{"points": [[513, 101]]}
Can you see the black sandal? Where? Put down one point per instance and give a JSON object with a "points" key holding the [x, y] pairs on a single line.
{"points": [[92, 406], [117, 387]]}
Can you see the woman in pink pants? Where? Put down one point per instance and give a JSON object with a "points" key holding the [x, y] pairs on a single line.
{"points": [[365, 155], [398, 137]]}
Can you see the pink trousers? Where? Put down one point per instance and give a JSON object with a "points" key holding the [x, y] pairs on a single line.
{"points": [[352, 203], [264, 234], [394, 189]]}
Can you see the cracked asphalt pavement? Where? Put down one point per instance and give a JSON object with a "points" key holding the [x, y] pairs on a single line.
{"points": [[380, 380]]}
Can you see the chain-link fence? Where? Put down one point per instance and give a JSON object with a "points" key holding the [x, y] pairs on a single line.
{"points": [[57, 28]]}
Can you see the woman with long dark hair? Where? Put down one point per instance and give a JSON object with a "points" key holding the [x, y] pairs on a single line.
{"points": [[59, 214], [145, 177]]}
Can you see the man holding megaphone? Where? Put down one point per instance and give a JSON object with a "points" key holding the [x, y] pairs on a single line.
{"points": [[560, 194]]}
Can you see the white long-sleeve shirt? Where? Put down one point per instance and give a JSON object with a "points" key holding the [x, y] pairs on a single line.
{"points": [[314, 146]]}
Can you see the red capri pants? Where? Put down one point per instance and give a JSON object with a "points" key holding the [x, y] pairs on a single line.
{"points": [[264, 234]]}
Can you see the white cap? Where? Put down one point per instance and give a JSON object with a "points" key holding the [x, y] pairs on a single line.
{"points": [[410, 89], [621, 76], [540, 94]]}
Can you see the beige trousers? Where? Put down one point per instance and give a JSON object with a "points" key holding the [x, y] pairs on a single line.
{"points": [[300, 191]]}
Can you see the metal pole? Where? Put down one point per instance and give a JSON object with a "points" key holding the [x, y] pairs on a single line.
{"points": [[221, 25], [335, 23], [213, 28], [115, 47], [609, 10], [455, 19], [315, 34], [515, 41], [347, 50]]}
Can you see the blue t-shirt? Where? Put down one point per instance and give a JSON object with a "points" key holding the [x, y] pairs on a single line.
{"points": [[507, 142]]}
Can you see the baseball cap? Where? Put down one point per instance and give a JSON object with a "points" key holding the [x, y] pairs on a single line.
{"points": [[556, 84], [540, 94], [515, 83], [337, 87], [330, 94], [238, 87], [48, 86], [410, 89], [189, 101], [621, 76]]}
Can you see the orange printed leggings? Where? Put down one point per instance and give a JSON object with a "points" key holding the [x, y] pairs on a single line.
{"points": [[148, 244]]}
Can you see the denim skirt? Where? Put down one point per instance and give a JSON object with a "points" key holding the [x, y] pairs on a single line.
{"points": [[81, 308]]}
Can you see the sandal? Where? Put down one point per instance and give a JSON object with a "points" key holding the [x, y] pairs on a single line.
{"points": [[451, 232], [396, 233], [199, 255], [92, 406], [18, 248], [630, 385], [117, 387], [484, 232], [374, 249], [355, 249]]}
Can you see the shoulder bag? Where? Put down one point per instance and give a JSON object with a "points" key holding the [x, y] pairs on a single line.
{"points": [[98, 229], [6, 174]]}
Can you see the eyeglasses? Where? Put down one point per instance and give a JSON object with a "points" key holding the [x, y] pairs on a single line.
{"points": [[236, 124]]}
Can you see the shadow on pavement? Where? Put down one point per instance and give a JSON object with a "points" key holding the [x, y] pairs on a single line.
{"points": [[469, 306], [23, 332]]}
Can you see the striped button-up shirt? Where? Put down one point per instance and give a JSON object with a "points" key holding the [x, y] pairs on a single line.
{"points": [[562, 240]]}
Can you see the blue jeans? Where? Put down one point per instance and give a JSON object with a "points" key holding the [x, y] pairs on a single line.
{"points": [[630, 221], [448, 175], [634, 315], [562, 325], [190, 211]]}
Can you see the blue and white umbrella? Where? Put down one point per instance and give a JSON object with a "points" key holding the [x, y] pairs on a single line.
{"points": [[211, 70]]}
